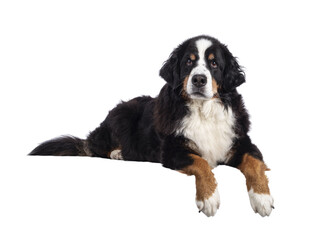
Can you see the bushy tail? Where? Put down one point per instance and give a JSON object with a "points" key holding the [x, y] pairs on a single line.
{"points": [[62, 146]]}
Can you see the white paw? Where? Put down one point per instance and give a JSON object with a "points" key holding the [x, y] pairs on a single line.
{"points": [[210, 205], [261, 203], [116, 154]]}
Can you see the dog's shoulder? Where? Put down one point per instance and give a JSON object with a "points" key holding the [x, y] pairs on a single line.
{"points": [[169, 110]]}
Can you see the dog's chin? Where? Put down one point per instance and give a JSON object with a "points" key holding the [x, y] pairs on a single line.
{"points": [[200, 96]]}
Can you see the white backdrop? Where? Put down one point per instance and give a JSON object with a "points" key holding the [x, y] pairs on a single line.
{"points": [[65, 64]]}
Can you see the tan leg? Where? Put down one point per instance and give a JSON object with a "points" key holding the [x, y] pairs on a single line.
{"points": [[257, 184], [207, 196]]}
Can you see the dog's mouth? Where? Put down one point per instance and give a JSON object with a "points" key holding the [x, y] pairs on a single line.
{"points": [[202, 95], [198, 91], [198, 94]]}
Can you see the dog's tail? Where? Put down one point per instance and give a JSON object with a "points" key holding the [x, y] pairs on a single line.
{"points": [[62, 146]]}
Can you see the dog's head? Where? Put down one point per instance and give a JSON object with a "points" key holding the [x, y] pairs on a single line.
{"points": [[202, 68]]}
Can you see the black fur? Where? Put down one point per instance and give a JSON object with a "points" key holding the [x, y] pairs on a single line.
{"points": [[233, 74], [144, 127], [61, 146]]}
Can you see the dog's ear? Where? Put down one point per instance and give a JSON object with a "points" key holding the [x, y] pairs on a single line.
{"points": [[233, 75], [170, 70]]}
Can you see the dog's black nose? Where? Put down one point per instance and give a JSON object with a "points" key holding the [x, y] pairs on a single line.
{"points": [[199, 80]]}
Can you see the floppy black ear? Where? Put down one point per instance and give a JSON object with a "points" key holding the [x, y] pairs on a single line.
{"points": [[233, 75], [170, 70]]}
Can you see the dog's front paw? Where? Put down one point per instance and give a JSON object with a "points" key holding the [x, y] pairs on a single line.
{"points": [[261, 203], [210, 205]]}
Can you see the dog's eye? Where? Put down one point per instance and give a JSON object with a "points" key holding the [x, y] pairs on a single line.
{"points": [[189, 62], [213, 63]]}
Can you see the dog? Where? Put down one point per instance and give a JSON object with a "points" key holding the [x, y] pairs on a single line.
{"points": [[197, 122]]}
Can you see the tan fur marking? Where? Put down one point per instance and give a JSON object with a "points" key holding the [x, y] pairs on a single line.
{"points": [[211, 56], [215, 87], [192, 57], [185, 83], [254, 171], [205, 181], [184, 91]]}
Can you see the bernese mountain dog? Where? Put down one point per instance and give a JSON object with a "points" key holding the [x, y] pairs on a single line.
{"points": [[197, 122]]}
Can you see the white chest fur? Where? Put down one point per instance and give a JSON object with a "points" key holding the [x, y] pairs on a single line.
{"points": [[210, 126]]}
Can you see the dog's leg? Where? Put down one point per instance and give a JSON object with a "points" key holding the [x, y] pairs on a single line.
{"points": [[207, 197], [176, 154], [257, 184]]}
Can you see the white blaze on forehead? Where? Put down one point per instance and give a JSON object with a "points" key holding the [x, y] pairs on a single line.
{"points": [[200, 68], [202, 45]]}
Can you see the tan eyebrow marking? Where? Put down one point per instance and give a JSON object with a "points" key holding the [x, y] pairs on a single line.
{"points": [[192, 57], [211, 56]]}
